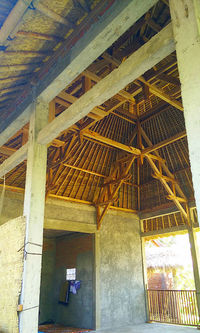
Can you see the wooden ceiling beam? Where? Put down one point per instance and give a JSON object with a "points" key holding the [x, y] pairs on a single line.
{"points": [[36, 35], [174, 173], [94, 173], [53, 15], [17, 87], [169, 79], [162, 95], [165, 168], [14, 78], [7, 150], [154, 90], [18, 67], [109, 190], [164, 143], [143, 59], [93, 135], [171, 196], [154, 73], [27, 53]]}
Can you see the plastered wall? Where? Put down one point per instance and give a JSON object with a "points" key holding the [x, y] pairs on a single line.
{"points": [[58, 254], [122, 300], [120, 287], [47, 290], [12, 236], [76, 252]]}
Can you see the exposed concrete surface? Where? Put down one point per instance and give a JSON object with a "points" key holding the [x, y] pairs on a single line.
{"points": [[47, 311], [11, 269], [75, 252], [120, 295], [54, 209], [187, 38], [156, 328], [121, 278]]}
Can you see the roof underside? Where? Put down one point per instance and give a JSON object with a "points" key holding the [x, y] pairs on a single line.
{"points": [[78, 162]]}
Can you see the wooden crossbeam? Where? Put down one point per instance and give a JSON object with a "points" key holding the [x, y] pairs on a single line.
{"points": [[171, 195], [112, 143], [36, 35], [180, 201], [108, 193], [97, 174], [161, 94], [169, 79], [53, 15], [7, 150], [164, 143], [168, 179], [164, 166]]}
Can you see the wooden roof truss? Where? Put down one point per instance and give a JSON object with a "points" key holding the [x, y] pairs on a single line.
{"points": [[113, 130]]}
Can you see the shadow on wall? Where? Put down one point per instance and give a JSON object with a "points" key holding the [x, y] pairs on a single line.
{"points": [[68, 252]]}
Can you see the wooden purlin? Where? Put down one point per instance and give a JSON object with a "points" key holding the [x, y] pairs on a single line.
{"points": [[109, 190], [167, 180]]}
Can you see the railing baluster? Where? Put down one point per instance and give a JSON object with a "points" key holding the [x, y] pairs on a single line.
{"points": [[173, 306]]}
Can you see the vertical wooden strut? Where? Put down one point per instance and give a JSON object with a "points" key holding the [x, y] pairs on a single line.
{"points": [[109, 190], [139, 160], [167, 179]]}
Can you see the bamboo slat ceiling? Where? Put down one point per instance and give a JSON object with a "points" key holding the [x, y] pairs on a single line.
{"points": [[82, 157]]}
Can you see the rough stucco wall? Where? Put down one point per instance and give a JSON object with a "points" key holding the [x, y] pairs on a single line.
{"points": [[11, 269], [121, 277], [121, 289], [47, 311], [58, 209], [75, 252]]}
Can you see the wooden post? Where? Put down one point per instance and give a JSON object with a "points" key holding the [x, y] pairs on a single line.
{"points": [[34, 212]]}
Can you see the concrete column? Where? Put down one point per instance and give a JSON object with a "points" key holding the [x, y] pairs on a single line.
{"points": [[97, 305], [195, 263], [34, 212], [185, 21], [144, 266]]}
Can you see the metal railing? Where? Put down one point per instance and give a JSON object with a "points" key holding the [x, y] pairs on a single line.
{"points": [[173, 306]]}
